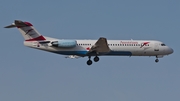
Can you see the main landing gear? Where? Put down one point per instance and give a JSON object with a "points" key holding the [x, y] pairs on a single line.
{"points": [[89, 62], [96, 59]]}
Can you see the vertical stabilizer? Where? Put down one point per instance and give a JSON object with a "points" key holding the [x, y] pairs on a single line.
{"points": [[27, 30]]}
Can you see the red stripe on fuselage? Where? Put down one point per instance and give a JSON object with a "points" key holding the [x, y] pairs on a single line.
{"points": [[37, 39]]}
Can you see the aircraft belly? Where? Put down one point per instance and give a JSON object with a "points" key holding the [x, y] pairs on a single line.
{"points": [[120, 53], [79, 53], [144, 52]]}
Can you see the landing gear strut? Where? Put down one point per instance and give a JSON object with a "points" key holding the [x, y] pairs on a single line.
{"points": [[89, 62]]}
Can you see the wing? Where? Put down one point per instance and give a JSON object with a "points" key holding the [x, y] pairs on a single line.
{"points": [[72, 56], [101, 46]]}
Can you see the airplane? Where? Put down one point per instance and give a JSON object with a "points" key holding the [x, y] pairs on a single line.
{"points": [[90, 48]]}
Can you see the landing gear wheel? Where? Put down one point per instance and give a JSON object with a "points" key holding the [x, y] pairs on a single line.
{"points": [[157, 60], [96, 59], [89, 62]]}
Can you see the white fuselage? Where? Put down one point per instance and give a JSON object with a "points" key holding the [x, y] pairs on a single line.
{"points": [[82, 48], [117, 47]]}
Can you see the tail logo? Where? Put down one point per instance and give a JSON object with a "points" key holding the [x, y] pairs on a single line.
{"points": [[28, 31]]}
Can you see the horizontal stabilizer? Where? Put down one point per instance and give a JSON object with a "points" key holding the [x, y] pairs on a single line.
{"points": [[10, 26], [19, 23]]}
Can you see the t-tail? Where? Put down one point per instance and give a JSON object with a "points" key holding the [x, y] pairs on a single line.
{"points": [[27, 30]]}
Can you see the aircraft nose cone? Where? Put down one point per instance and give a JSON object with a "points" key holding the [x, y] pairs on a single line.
{"points": [[170, 50]]}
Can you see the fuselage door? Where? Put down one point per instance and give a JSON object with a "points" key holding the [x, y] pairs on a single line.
{"points": [[156, 46]]}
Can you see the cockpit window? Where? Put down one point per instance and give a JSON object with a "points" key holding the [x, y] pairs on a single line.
{"points": [[163, 44]]}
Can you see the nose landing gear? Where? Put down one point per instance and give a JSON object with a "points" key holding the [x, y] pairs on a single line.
{"points": [[157, 60]]}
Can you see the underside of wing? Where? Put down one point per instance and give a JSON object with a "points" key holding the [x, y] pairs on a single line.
{"points": [[101, 46]]}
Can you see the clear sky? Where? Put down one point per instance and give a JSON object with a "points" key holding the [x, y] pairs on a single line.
{"points": [[32, 75]]}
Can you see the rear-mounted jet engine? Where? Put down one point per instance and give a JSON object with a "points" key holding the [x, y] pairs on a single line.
{"points": [[64, 43]]}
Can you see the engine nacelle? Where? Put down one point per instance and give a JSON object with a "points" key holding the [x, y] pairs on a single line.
{"points": [[64, 43]]}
